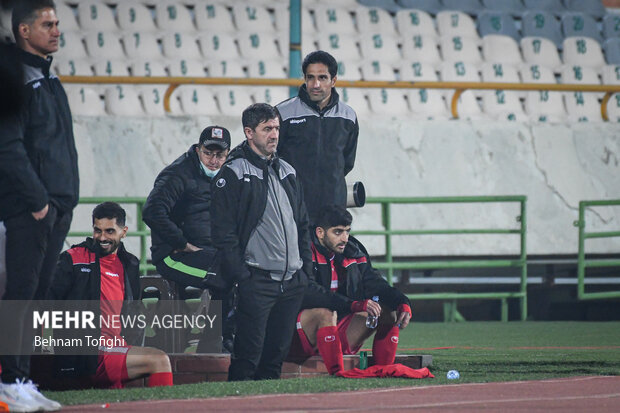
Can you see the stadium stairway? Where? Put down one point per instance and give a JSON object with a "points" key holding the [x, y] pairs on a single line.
{"points": [[197, 368]]}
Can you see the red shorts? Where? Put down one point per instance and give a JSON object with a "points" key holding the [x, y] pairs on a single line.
{"points": [[300, 347], [111, 368]]}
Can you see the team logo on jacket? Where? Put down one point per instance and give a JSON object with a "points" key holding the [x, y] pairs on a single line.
{"points": [[394, 339], [84, 269], [220, 183], [111, 274], [330, 339], [294, 121]]}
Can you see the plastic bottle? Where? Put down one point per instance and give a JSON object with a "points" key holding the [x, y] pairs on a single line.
{"points": [[371, 320]]}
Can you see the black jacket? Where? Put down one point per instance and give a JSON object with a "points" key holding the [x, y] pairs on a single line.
{"points": [[321, 146], [239, 200], [78, 277], [38, 159], [361, 282], [178, 208]]}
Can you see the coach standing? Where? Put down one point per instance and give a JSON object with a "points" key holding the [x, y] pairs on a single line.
{"points": [[319, 133], [261, 229], [39, 181]]}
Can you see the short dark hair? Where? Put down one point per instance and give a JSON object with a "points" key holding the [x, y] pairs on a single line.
{"points": [[319, 56], [25, 11], [332, 216], [258, 113], [110, 210]]}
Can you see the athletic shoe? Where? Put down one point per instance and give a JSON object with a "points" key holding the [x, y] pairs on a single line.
{"points": [[29, 391], [12, 401]]}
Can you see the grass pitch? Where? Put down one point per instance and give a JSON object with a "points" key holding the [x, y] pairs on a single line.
{"points": [[480, 351]]}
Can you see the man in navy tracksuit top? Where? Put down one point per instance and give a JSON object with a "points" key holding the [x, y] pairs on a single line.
{"points": [[318, 134], [261, 230]]}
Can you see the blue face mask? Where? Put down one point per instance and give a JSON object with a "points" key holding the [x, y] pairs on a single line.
{"points": [[208, 171]]}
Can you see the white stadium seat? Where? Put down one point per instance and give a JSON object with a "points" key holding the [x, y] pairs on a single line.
{"points": [[349, 70], [71, 45], [333, 20], [252, 18], [180, 45], [213, 17], [258, 46], [583, 51], [389, 102], [540, 51], [503, 105], [377, 70], [342, 45], [375, 20], [104, 45], [272, 69], [96, 16], [270, 94], [66, 18], [232, 100], [148, 68], [72, 67], [468, 107], [173, 16], [613, 108], [142, 45], [108, 67], [225, 68], [377, 46], [355, 98], [133, 16], [581, 106], [220, 46], [152, 97], [421, 48], [197, 100], [84, 100], [611, 75], [542, 106], [415, 22], [498, 48], [427, 104], [536, 74], [307, 22], [501, 73], [123, 100], [417, 71], [456, 23], [460, 49], [186, 67]]}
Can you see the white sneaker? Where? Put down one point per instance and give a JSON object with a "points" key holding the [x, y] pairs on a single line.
{"points": [[29, 391], [15, 403]]}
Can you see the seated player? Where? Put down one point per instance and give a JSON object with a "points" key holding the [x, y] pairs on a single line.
{"points": [[339, 300], [100, 268]]}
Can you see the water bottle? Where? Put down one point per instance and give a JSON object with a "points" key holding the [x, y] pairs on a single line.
{"points": [[371, 320]]}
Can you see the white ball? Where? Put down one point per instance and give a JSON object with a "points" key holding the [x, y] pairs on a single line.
{"points": [[453, 375]]}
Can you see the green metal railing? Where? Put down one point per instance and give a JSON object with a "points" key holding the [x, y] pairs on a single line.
{"points": [[584, 263], [450, 299], [141, 230]]}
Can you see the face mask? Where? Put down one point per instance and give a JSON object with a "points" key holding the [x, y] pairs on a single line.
{"points": [[208, 171]]}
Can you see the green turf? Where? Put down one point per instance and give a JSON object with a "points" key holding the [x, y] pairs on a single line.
{"points": [[480, 351]]}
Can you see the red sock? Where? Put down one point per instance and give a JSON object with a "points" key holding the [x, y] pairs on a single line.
{"points": [[385, 344], [160, 379], [328, 343]]}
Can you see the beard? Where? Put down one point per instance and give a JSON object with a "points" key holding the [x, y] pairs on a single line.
{"points": [[108, 247]]}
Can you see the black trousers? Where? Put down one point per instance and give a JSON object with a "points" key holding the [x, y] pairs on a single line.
{"points": [[32, 250], [266, 316]]}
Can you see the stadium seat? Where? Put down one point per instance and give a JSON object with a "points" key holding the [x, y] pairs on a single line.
{"points": [[122, 100], [186, 67], [503, 105], [498, 48], [252, 18], [356, 98], [349, 70], [135, 17], [583, 51], [342, 45], [173, 16], [84, 100], [232, 100], [375, 20], [552, 6], [613, 108], [180, 45], [542, 24], [389, 102], [65, 15], [104, 45], [220, 46], [421, 48], [71, 45], [377, 70], [258, 46], [107, 67], [460, 49], [388, 5], [198, 100], [472, 7], [376, 46], [611, 25], [612, 50], [534, 73], [96, 16], [142, 45], [545, 107], [593, 8], [513, 7], [499, 72], [72, 67], [428, 104], [270, 94], [497, 23], [611, 74], [152, 97], [581, 106], [225, 68], [347, 4], [213, 18], [333, 20], [415, 22], [308, 44], [456, 23], [429, 6], [272, 69], [576, 74], [540, 51], [307, 22], [580, 25], [417, 71], [468, 107], [147, 68]]}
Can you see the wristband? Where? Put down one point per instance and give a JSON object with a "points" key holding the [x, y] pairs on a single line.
{"points": [[359, 306], [404, 308]]}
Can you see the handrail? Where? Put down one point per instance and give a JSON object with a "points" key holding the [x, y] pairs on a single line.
{"points": [[390, 265], [460, 87], [582, 262]]}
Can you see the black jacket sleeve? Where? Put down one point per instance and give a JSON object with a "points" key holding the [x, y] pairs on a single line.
{"points": [[168, 189], [317, 296], [351, 149], [63, 278], [15, 165]]}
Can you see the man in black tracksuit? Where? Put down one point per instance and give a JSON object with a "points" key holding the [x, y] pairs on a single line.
{"points": [[318, 134], [39, 181], [262, 233]]}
